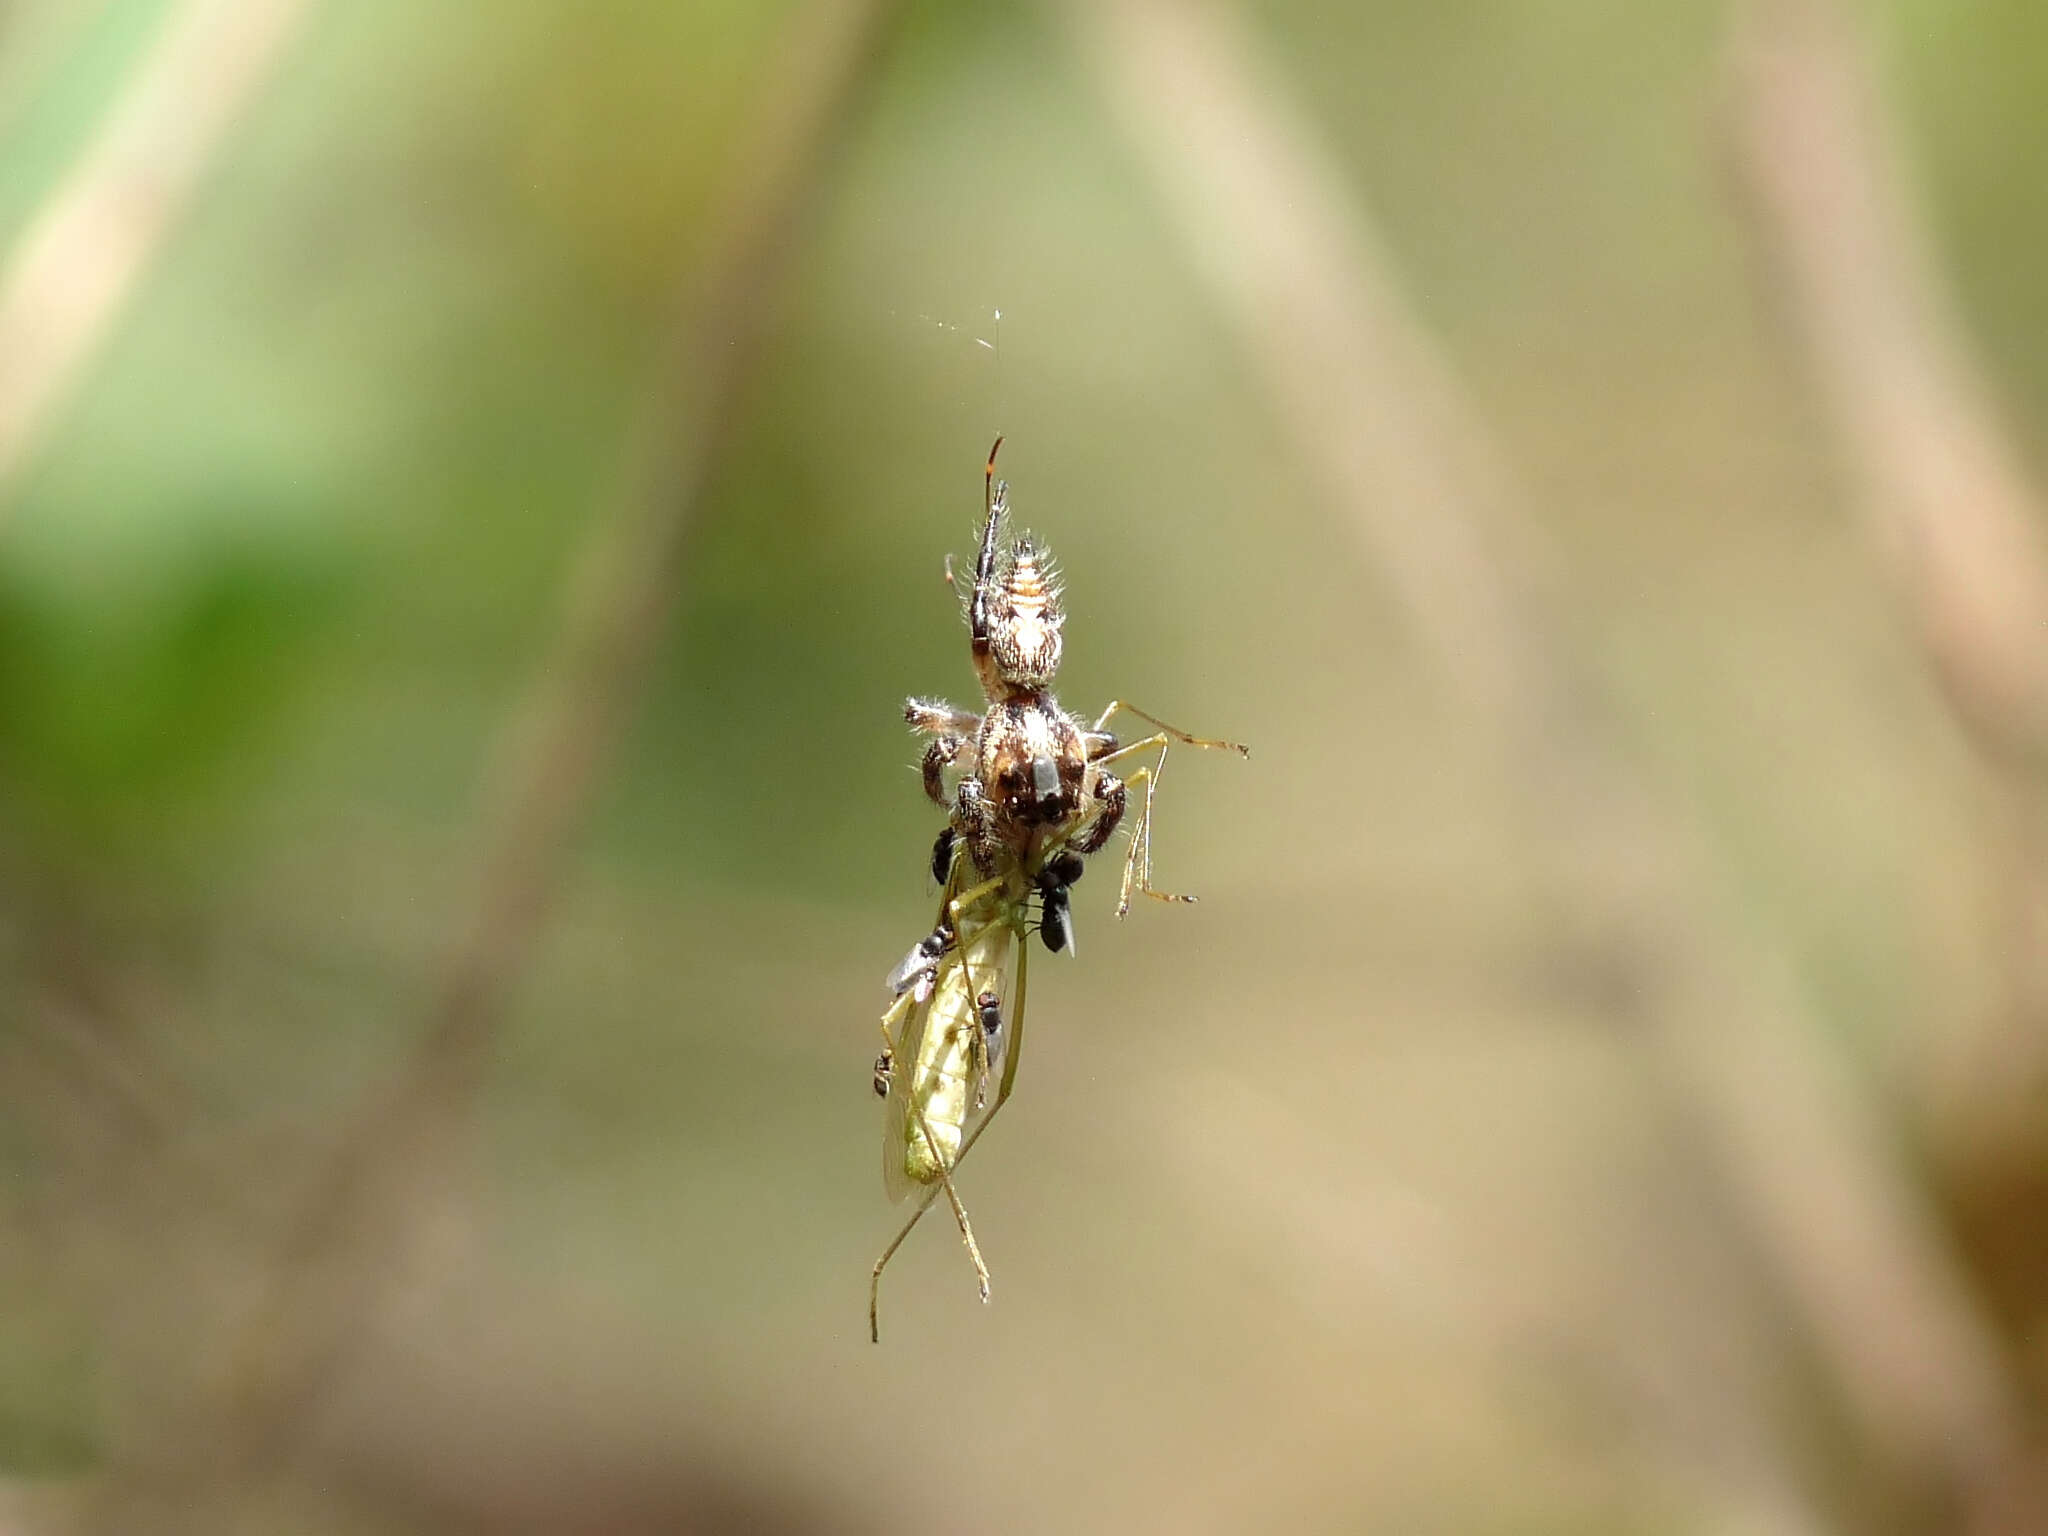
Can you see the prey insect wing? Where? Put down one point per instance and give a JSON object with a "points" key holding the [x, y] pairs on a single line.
{"points": [[916, 972], [940, 1053]]}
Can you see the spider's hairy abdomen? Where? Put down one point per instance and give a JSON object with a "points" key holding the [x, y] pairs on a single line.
{"points": [[1025, 618]]}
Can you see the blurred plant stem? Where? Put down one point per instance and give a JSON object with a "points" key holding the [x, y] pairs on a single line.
{"points": [[361, 1233], [1852, 271], [66, 283], [1373, 407], [1948, 501]]}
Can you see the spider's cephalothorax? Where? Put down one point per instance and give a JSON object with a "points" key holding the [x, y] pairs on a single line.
{"points": [[1033, 767], [1033, 786]]}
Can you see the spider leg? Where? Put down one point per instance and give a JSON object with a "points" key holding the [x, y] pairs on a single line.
{"points": [[1108, 793], [935, 717], [938, 757]]}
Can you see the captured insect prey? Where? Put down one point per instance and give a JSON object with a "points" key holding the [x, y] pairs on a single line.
{"points": [[1055, 910], [920, 968], [1030, 794]]}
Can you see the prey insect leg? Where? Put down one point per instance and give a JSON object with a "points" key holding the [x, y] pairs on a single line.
{"points": [[898, 1009], [1138, 860], [1118, 705], [1138, 857]]}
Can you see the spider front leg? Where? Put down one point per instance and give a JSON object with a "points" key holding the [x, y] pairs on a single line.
{"points": [[938, 757], [952, 729]]}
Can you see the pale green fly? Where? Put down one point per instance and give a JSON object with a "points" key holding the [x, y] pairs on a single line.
{"points": [[1037, 796]]}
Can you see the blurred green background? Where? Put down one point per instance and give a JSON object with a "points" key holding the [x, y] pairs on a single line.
{"points": [[1344, 1200]]}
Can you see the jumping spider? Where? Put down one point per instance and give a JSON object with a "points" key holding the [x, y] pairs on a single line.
{"points": [[1037, 792]]}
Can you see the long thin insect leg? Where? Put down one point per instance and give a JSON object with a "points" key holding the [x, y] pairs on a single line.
{"points": [[950, 908], [924, 1203], [1118, 705], [945, 1182], [978, 1046], [888, 1253], [974, 1046], [1138, 858], [1010, 1057]]}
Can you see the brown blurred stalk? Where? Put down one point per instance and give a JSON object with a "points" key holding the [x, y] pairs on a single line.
{"points": [[67, 280], [1964, 530], [365, 1227], [1948, 500], [1373, 407], [1943, 489]]}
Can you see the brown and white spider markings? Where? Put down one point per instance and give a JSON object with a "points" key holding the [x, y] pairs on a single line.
{"points": [[1038, 781]]}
